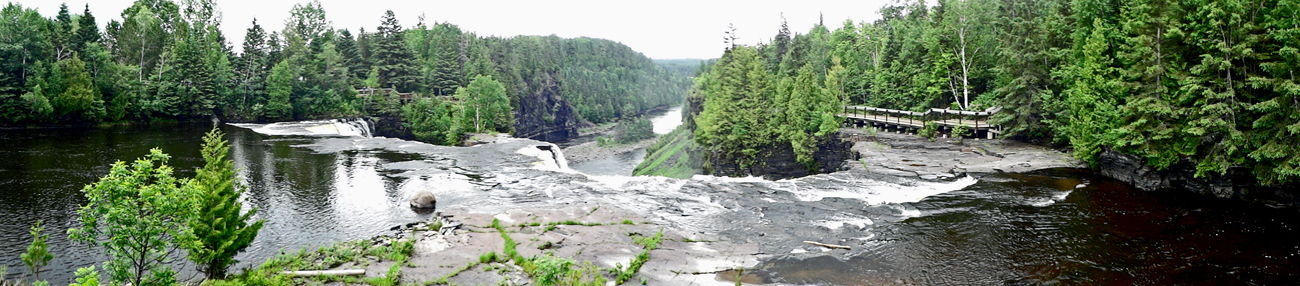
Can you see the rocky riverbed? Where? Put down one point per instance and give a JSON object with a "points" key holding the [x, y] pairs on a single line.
{"points": [[712, 227], [590, 151]]}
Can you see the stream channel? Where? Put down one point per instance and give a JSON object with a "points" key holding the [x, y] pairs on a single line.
{"points": [[314, 187]]}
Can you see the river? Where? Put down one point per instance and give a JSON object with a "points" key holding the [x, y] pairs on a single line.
{"points": [[622, 164], [1018, 229]]}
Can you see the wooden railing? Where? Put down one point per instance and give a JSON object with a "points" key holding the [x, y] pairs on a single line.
{"points": [[978, 120]]}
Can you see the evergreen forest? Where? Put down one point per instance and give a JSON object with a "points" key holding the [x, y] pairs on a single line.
{"points": [[169, 61], [1206, 81]]}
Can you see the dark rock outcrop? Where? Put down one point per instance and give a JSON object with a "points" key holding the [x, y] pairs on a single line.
{"points": [[391, 127], [779, 161], [544, 115], [1238, 183]]}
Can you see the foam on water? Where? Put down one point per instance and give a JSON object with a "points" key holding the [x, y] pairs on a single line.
{"points": [[335, 127], [1055, 198], [550, 158], [877, 193], [840, 221]]}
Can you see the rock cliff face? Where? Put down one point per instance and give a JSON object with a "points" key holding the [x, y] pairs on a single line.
{"points": [[832, 152], [391, 127], [544, 115], [1238, 183]]}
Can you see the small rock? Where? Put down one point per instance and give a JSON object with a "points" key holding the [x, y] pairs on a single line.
{"points": [[424, 200]]}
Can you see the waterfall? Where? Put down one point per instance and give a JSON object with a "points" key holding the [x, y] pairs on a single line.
{"points": [[347, 127], [358, 126], [551, 157]]}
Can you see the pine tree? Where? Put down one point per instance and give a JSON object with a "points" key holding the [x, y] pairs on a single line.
{"points": [[252, 70], [445, 69], [1093, 98], [780, 46], [1031, 35], [1277, 130], [396, 65], [221, 230], [62, 34], [1151, 58], [87, 31], [190, 77], [357, 67], [1223, 46]]}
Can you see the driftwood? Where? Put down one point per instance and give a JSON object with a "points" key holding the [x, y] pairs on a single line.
{"points": [[342, 272], [827, 245]]}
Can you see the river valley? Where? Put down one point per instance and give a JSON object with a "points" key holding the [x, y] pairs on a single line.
{"points": [[1057, 226]]}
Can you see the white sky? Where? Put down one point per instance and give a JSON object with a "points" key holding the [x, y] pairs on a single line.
{"points": [[661, 29]]}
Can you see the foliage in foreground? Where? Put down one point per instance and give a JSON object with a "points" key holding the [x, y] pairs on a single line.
{"points": [[138, 214], [141, 215], [221, 230], [38, 254]]}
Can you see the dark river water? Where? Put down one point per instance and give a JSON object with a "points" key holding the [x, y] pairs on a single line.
{"points": [[1010, 229]]}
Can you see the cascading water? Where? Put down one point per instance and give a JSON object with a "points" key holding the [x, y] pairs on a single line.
{"points": [[350, 127], [360, 126]]}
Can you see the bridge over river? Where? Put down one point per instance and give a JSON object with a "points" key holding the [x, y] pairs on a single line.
{"points": [[911, 121]]}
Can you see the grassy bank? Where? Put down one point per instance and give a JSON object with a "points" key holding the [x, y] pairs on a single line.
{"points": [[675, 155]]}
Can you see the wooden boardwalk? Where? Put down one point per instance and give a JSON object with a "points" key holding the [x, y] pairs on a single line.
{"points": [[909, 120]]}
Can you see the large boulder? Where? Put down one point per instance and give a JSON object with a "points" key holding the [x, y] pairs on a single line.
{"points": [[424, 200]]}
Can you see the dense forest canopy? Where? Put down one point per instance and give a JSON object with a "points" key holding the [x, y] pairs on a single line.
{"points": [[164, 60], [1211, 81]]}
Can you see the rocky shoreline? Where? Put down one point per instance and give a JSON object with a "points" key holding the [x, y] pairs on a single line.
{"points": [[590, 151], [906, 155]]}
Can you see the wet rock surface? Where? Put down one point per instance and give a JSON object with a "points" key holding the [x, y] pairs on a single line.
{"points": [[711, 224], [907, 155]]}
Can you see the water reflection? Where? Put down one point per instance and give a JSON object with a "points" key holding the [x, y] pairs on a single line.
{"points": [[307, 199], [312, 199]]}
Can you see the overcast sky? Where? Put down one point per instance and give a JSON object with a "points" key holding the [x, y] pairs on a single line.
{"points": [[661, 29]]}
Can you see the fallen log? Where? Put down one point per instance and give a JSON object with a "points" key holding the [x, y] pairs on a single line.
{"points": [[827, 245], [341, 272]]}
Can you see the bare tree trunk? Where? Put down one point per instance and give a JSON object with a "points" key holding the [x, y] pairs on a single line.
{"points": [[965, 66]]}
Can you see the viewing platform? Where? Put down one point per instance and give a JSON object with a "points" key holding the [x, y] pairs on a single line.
{"points": [[910, 121]]}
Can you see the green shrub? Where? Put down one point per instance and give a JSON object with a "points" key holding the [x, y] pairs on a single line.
{"points": [[548, 270], [930, 131], [962, 131]]}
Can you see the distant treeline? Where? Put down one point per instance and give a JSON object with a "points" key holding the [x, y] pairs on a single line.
{"points": [[165, 60], [1212, 81]]}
